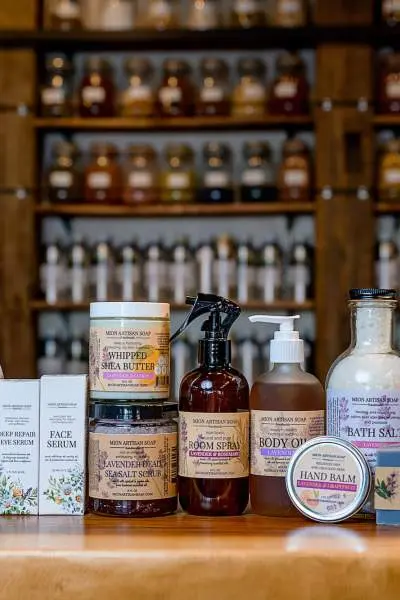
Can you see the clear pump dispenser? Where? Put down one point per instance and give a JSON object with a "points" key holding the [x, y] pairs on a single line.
{"points": [[286, 409]]}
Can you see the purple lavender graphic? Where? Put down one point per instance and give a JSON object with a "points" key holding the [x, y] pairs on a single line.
{"points": [[344, 411], [387, 489]]}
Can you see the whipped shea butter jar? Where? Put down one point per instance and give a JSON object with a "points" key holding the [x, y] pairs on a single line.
{"points": [[129, 350]]}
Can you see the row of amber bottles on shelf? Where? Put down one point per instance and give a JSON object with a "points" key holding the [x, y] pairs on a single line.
{"points": [[143, 177], [156, 272], [66, 15], [177, 94]]}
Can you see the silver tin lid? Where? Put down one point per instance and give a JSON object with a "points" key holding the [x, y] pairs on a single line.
{"points": [[328, 479]]}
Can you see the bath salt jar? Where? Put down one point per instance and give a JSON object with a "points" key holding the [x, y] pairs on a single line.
{"points": [[129, 354], [143, 439], [363, 384]]}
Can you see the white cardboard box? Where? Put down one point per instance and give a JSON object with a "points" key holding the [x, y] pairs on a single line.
{"points": [[62, 468], [19, 447]]}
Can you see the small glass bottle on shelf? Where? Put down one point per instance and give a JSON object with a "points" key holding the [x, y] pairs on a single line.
{"points": [[248, 13], [64, 15], [203, 14], [386, 265], [159, 14], [246, 273], [102, 175], [155, 273], [250, 94], [290, 91], [141, 176], [389, 172], [178, 182], [214, 93], [79, 272], [182, 272], [294, 178], [389, 84], [53, 280], [63, 180], [270, 273], [290, 13], [117, 15], [258, 177], [300, 273], [176, 95], [224, 267], [56, 93], [102, 278], [138, 99], [217, 176], [77, 357], [51, 359], [128, 275], [391, 11], [97, 92]]}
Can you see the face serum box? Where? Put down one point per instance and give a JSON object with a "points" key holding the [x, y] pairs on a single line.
{"points": [[62, 444], [19, 447]]}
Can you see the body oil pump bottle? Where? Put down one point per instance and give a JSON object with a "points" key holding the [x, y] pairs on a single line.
{"points": [[213, 418], [287, 408]]}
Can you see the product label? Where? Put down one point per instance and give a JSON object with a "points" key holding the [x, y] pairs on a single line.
{"points": [[387, 490], [139, 92], [178, 181], [214, 445], [133, 467], [65, 9], [391, 176], [217, 179], [254, 177], [140, 179], [51, 96], [393, 89], [289, 7], [386, 273], [276, 435], [212, 94], [159, 9], [285, 89], [93, 94], [327, 479], [253, 92], [60, 179], [369, 420], [99, 180], [132, 357], [245, 7], [295, 178], [169, 95]]}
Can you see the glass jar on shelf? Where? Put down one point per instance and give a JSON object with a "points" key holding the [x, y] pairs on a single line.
{"points": [[117, 15], [178, 182], [290, 13], [224, 267], [290, 92], [155, 273], [248, 13], [389, 171], [102, 279], [56, 93], [176, 95], [159, 14], [137, 99], [250, 94], [102, 174], [141, 176], [181, 272], [294, 178], [217, 185], [203, 14], [63, 181], [389, 84], [64, 15], [258, 177], [214, 92], [391, 11], [128, 273], [97, 92]]}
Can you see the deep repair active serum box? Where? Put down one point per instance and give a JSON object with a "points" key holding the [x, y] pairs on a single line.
{"points": [[19, 447], [62, 465]]}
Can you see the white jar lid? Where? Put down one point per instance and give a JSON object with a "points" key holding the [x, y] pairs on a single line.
{"points": [[328, 479], [129, 310]]}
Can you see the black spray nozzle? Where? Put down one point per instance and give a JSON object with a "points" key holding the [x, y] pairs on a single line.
{"points": [[215, 306]]}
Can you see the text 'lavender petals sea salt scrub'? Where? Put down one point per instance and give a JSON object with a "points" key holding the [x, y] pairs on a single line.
{"points": [[129, 350], [363, 385]]}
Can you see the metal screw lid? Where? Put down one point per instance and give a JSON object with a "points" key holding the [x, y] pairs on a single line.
{"points": [[372, 293]]}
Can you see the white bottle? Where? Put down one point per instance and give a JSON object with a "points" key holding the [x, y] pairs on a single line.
{"points": [[363, 384]]}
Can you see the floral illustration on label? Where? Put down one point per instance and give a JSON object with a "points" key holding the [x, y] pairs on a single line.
{"points": [[67, 491], [387, 491], [14, 500], [133, 467], [213, 445]]}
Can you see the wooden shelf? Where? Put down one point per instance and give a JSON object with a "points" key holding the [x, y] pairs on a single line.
{"points": [[279, 305], [386, 120], [387, 207], [174, 124], [175, 210]]}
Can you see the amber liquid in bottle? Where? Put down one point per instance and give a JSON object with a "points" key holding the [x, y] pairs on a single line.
{"points": [[286, 388], [226, 390]]}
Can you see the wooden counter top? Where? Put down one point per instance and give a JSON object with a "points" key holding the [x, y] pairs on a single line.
{"points": [[183, 557]]}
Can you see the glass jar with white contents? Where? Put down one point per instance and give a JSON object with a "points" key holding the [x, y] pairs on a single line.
{"points": [[117, 15], [145, 438], [258, 177], [203, 14], [56, 92], [363, 384], [250, 94], [214, 93]]}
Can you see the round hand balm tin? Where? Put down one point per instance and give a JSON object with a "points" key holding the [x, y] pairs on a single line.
{"points": [[328, 479]]}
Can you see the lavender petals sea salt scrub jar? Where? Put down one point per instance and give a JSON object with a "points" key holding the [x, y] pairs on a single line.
{"points": [[132, 459], [129, 355]]}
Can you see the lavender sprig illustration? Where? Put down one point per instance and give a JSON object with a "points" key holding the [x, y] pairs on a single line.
{"points": [[387, 489]]}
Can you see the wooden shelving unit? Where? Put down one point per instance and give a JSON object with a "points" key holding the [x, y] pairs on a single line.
{"points": [[387, 208], [174, 210]]}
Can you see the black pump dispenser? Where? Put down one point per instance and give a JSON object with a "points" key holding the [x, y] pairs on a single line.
{"points": [[214, 348]]}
